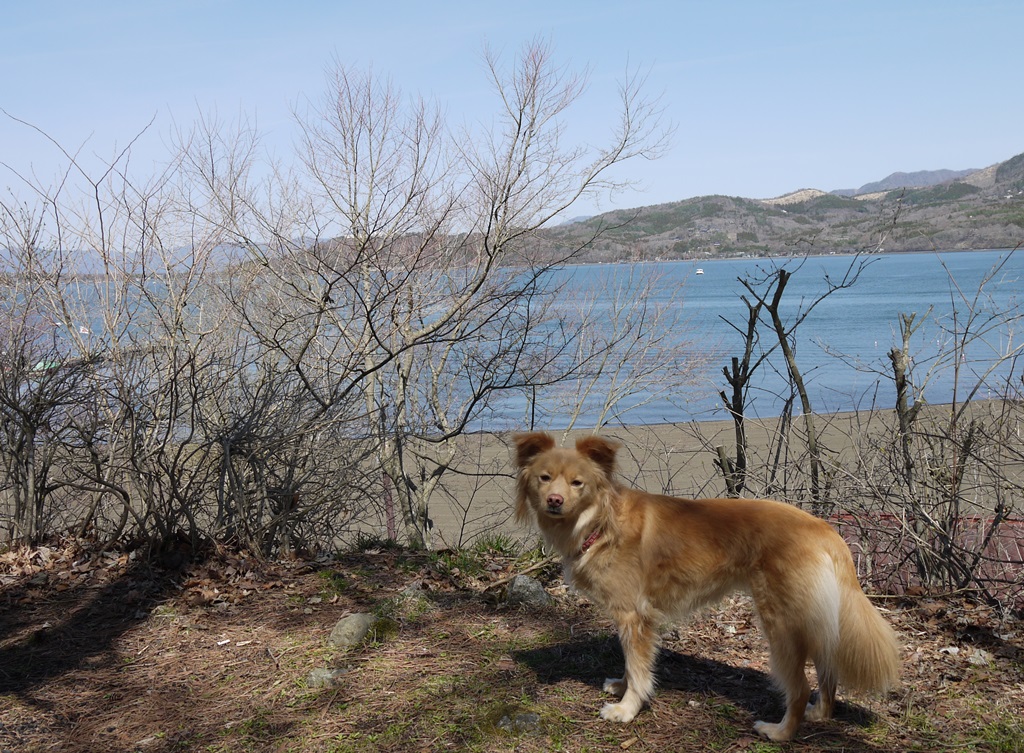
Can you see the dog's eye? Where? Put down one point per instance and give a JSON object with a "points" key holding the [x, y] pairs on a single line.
{"points": [[577, 482], [544, 477]]}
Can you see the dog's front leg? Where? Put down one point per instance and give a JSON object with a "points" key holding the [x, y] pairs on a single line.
{"points": [[639, 646]]}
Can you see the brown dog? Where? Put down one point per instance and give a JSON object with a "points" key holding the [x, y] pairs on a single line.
{"points": [[650, 559]]}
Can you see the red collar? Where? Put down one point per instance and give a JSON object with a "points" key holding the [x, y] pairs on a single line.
{"points": [[590, 540]]}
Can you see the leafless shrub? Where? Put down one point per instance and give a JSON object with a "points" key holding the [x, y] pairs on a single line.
{"points": [[928, 495], [280, 355]]}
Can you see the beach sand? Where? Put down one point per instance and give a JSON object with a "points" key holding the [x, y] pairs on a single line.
{"points": [[675, 459], [680, 460]]}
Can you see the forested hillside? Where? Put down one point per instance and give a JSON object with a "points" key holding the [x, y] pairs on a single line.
{"points": [[984, 209]]}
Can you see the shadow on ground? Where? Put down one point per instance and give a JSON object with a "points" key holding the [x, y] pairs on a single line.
{"points": [[702, 682], [44, 637]]}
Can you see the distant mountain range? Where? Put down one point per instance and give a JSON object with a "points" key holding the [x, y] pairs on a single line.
{"points": [[920, 179], [928, 210]]}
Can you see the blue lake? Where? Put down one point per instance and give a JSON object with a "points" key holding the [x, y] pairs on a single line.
{"points": [[860, 324]]}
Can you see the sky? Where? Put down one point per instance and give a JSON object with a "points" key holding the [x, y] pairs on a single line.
{"points": [[765, 96]]}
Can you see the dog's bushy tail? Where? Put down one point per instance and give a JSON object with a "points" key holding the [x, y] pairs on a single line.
{"points": [[867, 655]]}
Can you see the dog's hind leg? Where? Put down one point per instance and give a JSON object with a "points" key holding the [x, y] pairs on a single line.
{"points": [[788, 656], [615, 686], [640, 646], [822, 708]]}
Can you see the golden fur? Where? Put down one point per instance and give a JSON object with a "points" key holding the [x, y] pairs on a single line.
{"points": [[650, 559]]}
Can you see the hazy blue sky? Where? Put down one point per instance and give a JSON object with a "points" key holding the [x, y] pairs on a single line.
{"points": [[768, 96]]}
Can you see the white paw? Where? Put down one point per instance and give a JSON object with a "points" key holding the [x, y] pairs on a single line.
{"points": [[618, 712], [771, 731], [615, 686], [815, 713]]}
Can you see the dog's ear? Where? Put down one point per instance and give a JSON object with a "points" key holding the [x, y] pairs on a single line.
{"points": [[529, 446], [600, 450]]}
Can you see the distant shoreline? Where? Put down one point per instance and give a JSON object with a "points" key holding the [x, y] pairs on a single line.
{"points": [[810, 255]]}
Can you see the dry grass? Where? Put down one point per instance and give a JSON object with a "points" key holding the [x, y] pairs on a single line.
{"points": [[103, 653]]}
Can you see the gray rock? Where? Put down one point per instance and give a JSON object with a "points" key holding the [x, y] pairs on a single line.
{"points": [[351, 630], [980, 658], [325, 678], [528, 592], [414, 590], [527, 723]]}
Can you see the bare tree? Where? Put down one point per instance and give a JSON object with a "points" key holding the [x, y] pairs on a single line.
{"points": [[407, 278], [954, 467], [34, 390], [926, 493], [764, 307], [278, 356]]}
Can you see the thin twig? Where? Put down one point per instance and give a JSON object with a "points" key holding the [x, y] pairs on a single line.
{"points": [[543, 563]]}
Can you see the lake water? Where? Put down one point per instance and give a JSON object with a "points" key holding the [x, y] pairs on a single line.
{"points": [[860, 323]]}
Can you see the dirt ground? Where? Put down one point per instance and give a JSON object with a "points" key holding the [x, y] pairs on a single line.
{"points": [[100, 651]]}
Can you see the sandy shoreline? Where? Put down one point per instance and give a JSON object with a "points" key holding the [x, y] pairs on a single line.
{"points": [[676, 459], [679, 460]]}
